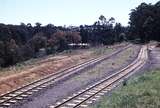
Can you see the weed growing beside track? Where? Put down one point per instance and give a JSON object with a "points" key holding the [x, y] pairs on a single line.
{"points": [[140, 92]]}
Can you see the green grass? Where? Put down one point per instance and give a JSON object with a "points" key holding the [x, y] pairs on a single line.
{"points": [[140, 92]]}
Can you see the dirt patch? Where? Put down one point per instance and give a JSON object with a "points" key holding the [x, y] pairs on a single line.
{"points": [[12, 81]]}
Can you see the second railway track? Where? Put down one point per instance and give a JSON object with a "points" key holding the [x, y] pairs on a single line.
{"points": [[21, 93], [88, 95]]}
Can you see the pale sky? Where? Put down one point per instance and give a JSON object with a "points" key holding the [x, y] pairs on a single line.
{"points": [[66, 12]]}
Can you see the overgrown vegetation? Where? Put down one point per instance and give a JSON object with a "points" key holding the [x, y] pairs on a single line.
{"points": [[140, 92]]}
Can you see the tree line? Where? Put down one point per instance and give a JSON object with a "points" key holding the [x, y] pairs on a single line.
{"points": [[145, 22], [24, 41]]}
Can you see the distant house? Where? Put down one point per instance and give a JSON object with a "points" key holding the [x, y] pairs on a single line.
{"points": [[41, 52], [78, 45]]}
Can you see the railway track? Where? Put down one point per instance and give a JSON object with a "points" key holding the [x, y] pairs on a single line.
{"points": [[23, 92], [90, 94]]}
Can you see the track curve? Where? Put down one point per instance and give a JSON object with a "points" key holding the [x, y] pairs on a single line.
{"points": [[21, 93], [86, 96]]}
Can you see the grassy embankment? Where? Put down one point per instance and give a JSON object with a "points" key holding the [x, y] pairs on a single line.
{"points": [[140, 92]]}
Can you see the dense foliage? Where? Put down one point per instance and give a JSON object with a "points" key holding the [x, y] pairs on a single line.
{"points": [[24, 41], [103, 32], [145, 22], [19, 43]]}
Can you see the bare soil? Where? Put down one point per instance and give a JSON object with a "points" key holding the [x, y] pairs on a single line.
{"points": [[44, 67]]}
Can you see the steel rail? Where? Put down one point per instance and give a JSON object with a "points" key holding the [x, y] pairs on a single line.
{"points": [[10, 96], [136, 64]]}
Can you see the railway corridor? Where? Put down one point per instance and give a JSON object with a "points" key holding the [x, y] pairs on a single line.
{"points": [[79, 81], [92, 93]]}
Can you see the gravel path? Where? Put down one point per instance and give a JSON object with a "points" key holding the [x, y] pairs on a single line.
{"points": [[154, 56], [67, 87]]}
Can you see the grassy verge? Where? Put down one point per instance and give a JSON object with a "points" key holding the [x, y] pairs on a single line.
{"points": [[140, 92]]}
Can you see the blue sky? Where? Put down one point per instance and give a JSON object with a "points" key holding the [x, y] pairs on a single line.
{"points": [[65, 12]]}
